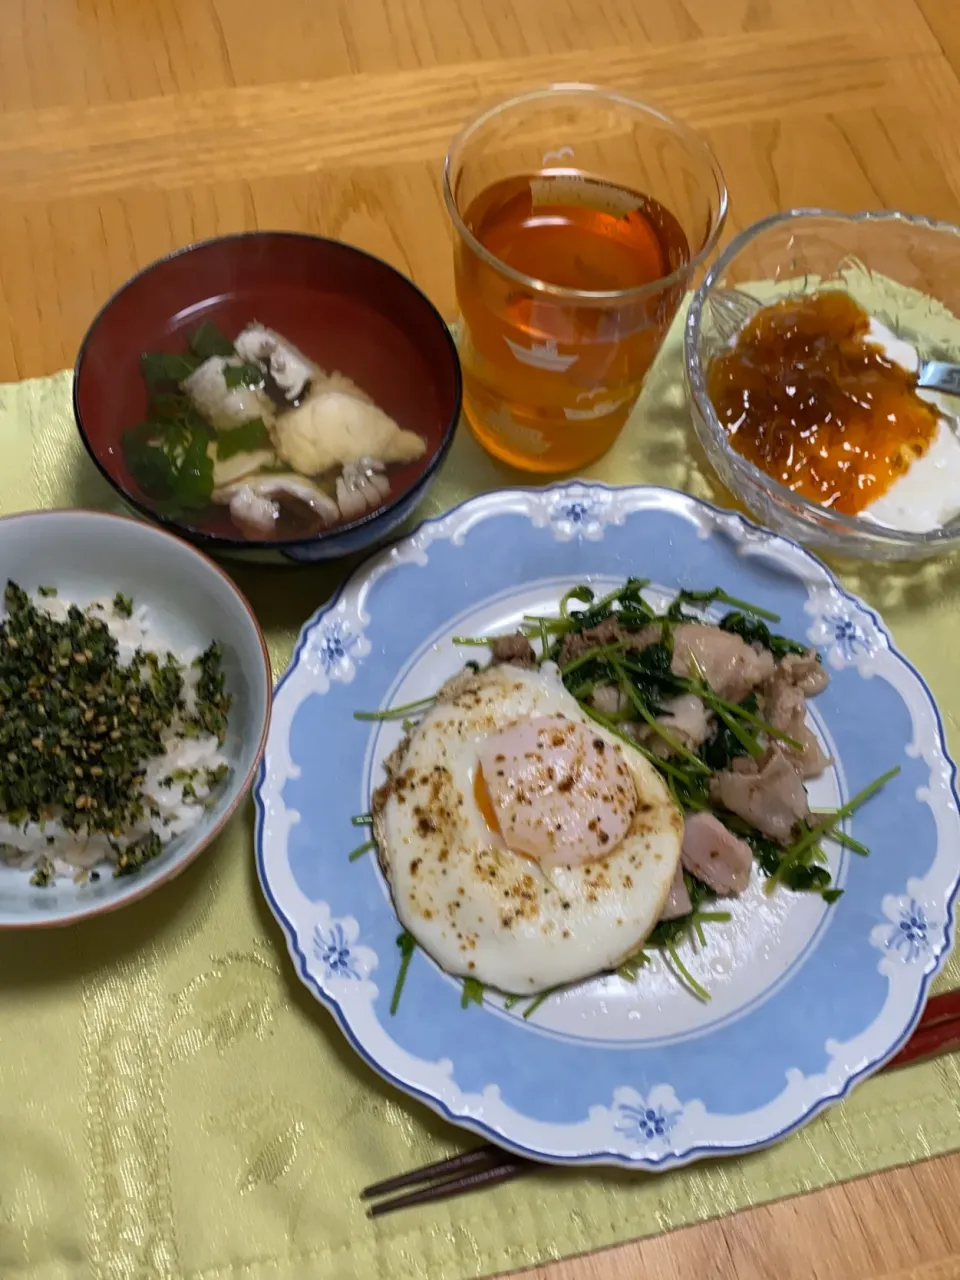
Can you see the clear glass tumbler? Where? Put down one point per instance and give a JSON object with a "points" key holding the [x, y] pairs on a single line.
{"points": [[581, 217]]}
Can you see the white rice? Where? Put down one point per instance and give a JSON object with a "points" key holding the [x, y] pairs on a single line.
{"points": [[75, 853]]}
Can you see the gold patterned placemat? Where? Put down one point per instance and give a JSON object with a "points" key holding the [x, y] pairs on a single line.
{"points": [[174, 1104]]}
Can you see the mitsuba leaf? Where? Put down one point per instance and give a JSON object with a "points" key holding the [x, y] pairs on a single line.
{"points": [[194, 477], [170, 464], [208, 341], [243, 375], [243, 439], [163, 372]]}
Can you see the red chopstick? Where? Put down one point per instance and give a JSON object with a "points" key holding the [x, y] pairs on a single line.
{"points": [[937, 1032]]}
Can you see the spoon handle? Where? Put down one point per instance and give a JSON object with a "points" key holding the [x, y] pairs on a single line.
{"points": [[937, 375]]}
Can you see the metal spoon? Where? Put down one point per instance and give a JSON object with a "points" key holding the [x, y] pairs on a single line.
{"points": [[732, 309]]}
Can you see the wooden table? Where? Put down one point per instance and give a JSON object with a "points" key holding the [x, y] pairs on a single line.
{"points": [[131, 127]]}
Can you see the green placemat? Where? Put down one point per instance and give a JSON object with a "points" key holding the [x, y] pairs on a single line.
{"points": [[173, 1103]]}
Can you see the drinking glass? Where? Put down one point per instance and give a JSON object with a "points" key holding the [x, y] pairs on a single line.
{"points": [[581, 217]]}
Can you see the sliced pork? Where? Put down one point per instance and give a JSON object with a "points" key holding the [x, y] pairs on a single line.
{"points": [[731, 667], [685, 718], [769, 795], [805, 671], [608, 632], [678, 900], [608, 699], [715, 855], [515, 650], [688, 720], [785, 708]]}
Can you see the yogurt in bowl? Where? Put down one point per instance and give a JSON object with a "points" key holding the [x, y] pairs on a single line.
{"points": [[928, 496], [882, 479]]}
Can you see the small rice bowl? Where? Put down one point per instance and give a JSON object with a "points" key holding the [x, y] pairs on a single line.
{"points": [[177, 786]]}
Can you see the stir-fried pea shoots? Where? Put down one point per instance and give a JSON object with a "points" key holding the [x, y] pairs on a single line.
{"points": [[646, 683], [168, 453], [77, 725]]}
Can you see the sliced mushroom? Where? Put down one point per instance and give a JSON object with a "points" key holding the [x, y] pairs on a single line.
{"points": [[361, 486], [255, 503], [229, 470]]}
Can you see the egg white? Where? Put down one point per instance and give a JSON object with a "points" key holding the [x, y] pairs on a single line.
{"points": [[482, 911]]}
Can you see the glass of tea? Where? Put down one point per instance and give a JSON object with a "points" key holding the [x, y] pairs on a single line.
{"points": [[581, 217]]}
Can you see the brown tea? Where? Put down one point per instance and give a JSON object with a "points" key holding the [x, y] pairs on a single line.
{"points": [[550, 376]]}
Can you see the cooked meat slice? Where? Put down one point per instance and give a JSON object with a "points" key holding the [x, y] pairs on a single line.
{"points": [[608, 699], [678, 900], [771, 798], [686, 718], [805, 671], [785, 708], [577, 644], [515, 650], [608, 632], [715, 855], [732, 667], [744, 764]]}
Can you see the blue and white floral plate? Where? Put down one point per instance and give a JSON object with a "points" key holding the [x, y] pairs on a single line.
{"points": [[807, 999]]}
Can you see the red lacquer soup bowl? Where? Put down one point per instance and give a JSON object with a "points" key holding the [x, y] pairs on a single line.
{"points": [[343, 309]]}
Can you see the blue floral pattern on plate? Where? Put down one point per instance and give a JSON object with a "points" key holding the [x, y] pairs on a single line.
{"points": [[846, 635], [335, 955], [843, 630], [909, 932], [644, 1123], [334, 646], [639, 1076], [333, 951], [580, 513]]}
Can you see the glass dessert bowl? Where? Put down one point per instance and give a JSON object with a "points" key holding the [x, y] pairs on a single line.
{"points": [[901, 277]]}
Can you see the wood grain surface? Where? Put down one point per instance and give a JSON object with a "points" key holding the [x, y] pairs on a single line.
{"points": [[131, 127]]}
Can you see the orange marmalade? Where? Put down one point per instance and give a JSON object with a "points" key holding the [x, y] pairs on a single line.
{"points": [[807, 397]]}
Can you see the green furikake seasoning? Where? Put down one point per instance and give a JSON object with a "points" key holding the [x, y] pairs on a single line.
{"points": [[133, 857], [213, 703], [77, 725]]}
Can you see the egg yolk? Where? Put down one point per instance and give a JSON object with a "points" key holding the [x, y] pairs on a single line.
{"points": [[555, 791], [481, 795]]}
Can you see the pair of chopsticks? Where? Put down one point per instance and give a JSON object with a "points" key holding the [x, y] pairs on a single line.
{"points": [[937, 1033], [482, 1167]]}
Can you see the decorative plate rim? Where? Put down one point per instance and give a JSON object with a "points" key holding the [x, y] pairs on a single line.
{"points": [[491, 504]]}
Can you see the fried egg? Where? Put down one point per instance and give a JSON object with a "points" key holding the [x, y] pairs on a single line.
{"points": [[525, 846]]}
